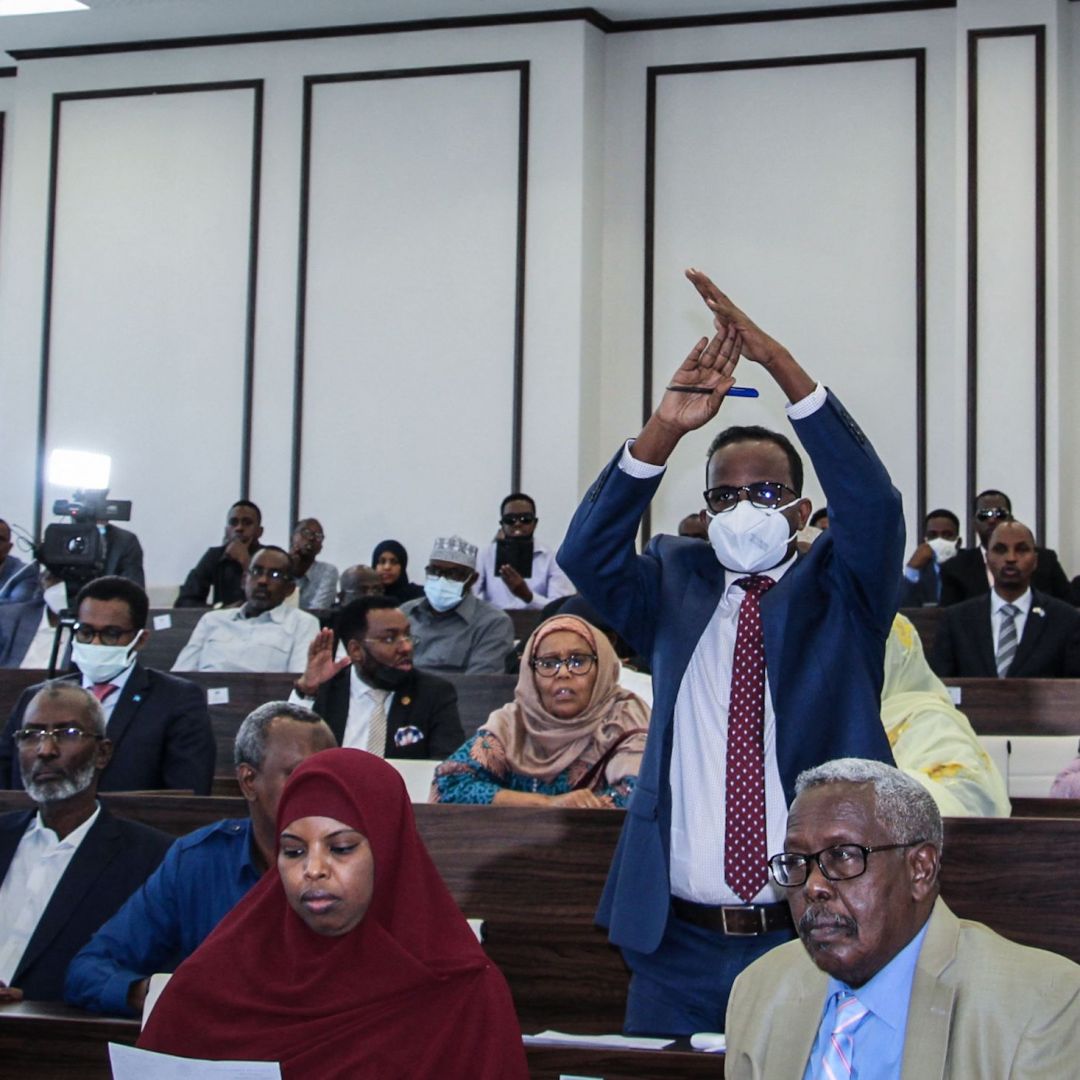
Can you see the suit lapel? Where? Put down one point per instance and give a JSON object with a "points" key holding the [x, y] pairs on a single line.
{"points": [[1034, 627], [128, 704], [930, 1014], [791, 1045], [10, 834], [984, 637]]}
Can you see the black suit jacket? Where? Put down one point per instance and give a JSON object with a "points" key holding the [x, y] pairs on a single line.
{"points": [[1048, 649], [113, 860], [160, 731], [124, 555], [964, 576], [925, 591], [214, 574], [424, 702]]}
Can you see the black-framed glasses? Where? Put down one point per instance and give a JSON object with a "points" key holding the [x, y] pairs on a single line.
{"points": [[842, 862], [517, 519], [992, 513], [109, 635], [269, 572], [547, 667], [454, 573], [62, 736], [767, 495], [391, 640]]}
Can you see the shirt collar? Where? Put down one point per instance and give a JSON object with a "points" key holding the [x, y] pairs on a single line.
{"points": [[73, 838], [776, 573], [275, 615], [1023, 603]]}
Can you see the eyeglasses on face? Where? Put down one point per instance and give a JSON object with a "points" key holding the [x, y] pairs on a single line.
{"points": [[767, 495], [62, 736], [547, 667], [993, 513], [267, 572], [391, 640], [839, 863], [109, 635], [454, 573], [517, 519], [311, 534]]}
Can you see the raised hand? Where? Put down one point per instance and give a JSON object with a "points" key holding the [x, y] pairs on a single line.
{"points": [[708, 366], [756, 344], [321, 665]]}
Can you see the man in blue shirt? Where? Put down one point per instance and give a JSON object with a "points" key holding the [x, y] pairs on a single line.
{"points": [[203, 874], [886, 980]]}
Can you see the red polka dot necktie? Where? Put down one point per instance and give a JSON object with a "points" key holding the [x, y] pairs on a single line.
{"points": [[745, 857]]}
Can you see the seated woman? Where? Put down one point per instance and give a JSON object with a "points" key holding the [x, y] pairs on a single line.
{"points": [[353, 959], [571, 737], [391, 563]]}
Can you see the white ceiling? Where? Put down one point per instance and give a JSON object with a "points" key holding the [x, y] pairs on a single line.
{"points": [[140, 20]]}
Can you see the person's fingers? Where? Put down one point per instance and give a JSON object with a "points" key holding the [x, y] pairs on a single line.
{"points": [[693, 356]]}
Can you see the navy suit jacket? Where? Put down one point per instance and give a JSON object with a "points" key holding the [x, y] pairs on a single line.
{"points": [[825, 625], [160, 731], [424, 702], [113, 860], [1049, 648], [18, 625]]}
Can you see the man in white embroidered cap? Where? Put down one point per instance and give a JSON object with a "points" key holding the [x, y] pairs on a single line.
{"points": [[453, 630]]}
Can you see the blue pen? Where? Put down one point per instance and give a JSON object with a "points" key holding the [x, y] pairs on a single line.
{"points": [[734, 391]]}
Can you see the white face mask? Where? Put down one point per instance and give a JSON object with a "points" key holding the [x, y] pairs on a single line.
{"points": [[943, 549], [444, 594], [748, 539], [55, 597], [100, 663]]}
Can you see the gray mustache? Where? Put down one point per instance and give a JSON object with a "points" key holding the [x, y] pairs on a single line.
{"points": [[814, 918]]}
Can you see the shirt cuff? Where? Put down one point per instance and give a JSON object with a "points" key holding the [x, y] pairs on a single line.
{"points": [[296, 698], [911, 574], [639, 470], [809, 404]]}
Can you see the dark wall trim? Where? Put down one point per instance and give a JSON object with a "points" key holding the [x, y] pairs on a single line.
{"points": [[256, 86], [466, 22], [1038, 34], [8, 72], [312, 81], [872, 56]]}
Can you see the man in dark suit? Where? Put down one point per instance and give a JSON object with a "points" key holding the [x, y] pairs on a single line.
{"points": [[158, 724], [123, 554], [69, 867], [219, 574], [374, 698], [1015, 631], [966, 575], [749, 646], [921, 584]]}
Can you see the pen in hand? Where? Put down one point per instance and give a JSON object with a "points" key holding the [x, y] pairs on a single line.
{"points": [[733, 391]]}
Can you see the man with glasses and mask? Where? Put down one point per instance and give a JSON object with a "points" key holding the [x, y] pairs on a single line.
{"points": [[887, 982], [967, 575], [764, 662], [264, 635], [505, 586], [67, 867], [455, 630], [374, 699], [158, 724]]}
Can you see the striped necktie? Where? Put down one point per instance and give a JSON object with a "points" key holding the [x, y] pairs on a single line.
{"points": [[836, 1062], [376, 741], [1006, 650]]}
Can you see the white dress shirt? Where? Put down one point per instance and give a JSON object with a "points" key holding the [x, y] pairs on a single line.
{"points": [[546, 581], [997, 617], [36, 868], [699, 749], [40, 649], [362, 702], [275, 640]]}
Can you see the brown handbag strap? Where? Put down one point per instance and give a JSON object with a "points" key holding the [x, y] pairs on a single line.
{"points": [[597, 770]]}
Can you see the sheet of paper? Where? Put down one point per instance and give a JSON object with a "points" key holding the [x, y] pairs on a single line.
{"points": [[130, 1063], [162, 622], [619, 1042], [217, 695], [712, 1042], [956, 693], [158, 981]]}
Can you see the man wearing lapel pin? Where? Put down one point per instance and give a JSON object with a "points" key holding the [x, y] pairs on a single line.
{"points": [[1014, 631], [158, 723], [68, 867]]}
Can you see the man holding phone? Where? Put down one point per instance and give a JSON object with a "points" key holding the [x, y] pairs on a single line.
{"points": [[515, 571]]}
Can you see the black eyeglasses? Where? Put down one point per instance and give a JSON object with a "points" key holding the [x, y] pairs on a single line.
{"points": [[766, 495], [63, 736], [517, 519], [456, 573], [109, 635], [547, 667], [992, 513], [267, 572], [840, 863]]}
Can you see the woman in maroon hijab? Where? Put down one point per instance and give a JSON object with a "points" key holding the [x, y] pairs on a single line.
{"points": [[353, 960]]}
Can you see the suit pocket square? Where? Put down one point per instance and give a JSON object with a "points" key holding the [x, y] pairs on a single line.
{"points": [[408, 736]]}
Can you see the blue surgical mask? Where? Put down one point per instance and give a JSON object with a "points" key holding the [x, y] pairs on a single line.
{"points": [[443, 594]]}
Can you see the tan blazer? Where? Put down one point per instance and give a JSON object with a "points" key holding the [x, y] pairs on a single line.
{"points": [[981, 1007]]}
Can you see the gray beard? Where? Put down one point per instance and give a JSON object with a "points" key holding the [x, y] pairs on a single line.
{"points": [[59, 790]]}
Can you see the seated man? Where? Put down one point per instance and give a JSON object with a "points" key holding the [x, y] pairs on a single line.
{"points": [[454, 629], [1015, 631], [18, 582], [375, 699], [357, 581], [220, 572], [204, 873], [921, 586], [886, 976], [967, 574], [158, 725], [317, 581], [66, 868], [504, 586], [265, 634], [28, 629]]}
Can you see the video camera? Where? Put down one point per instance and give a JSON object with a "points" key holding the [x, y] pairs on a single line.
{"points": [[76, 552]]}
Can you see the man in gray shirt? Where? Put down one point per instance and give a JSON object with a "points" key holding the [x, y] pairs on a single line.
{"points": [[317, 581], [454, 630]]}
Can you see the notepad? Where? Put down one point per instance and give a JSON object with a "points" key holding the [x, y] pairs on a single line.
{"points": [[131, 1063]]}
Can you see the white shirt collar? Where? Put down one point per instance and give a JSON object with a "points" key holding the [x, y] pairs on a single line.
{"points": [[1023, 603], [73, 838], [776, 573]]}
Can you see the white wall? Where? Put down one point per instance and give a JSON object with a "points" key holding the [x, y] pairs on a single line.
{"points": [[794, 185]]}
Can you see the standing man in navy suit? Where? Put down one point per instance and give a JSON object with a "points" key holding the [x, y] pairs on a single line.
{"points": [[68, 867], [755, 649]]}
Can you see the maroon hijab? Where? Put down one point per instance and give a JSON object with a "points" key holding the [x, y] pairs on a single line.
{"points": [[408, 993]]}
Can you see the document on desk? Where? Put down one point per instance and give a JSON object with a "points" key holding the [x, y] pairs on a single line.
{"points": [[131, 1063], [609, 1042]]}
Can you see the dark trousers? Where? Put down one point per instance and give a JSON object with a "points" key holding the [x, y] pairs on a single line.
{"points": [[683, 986]]}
